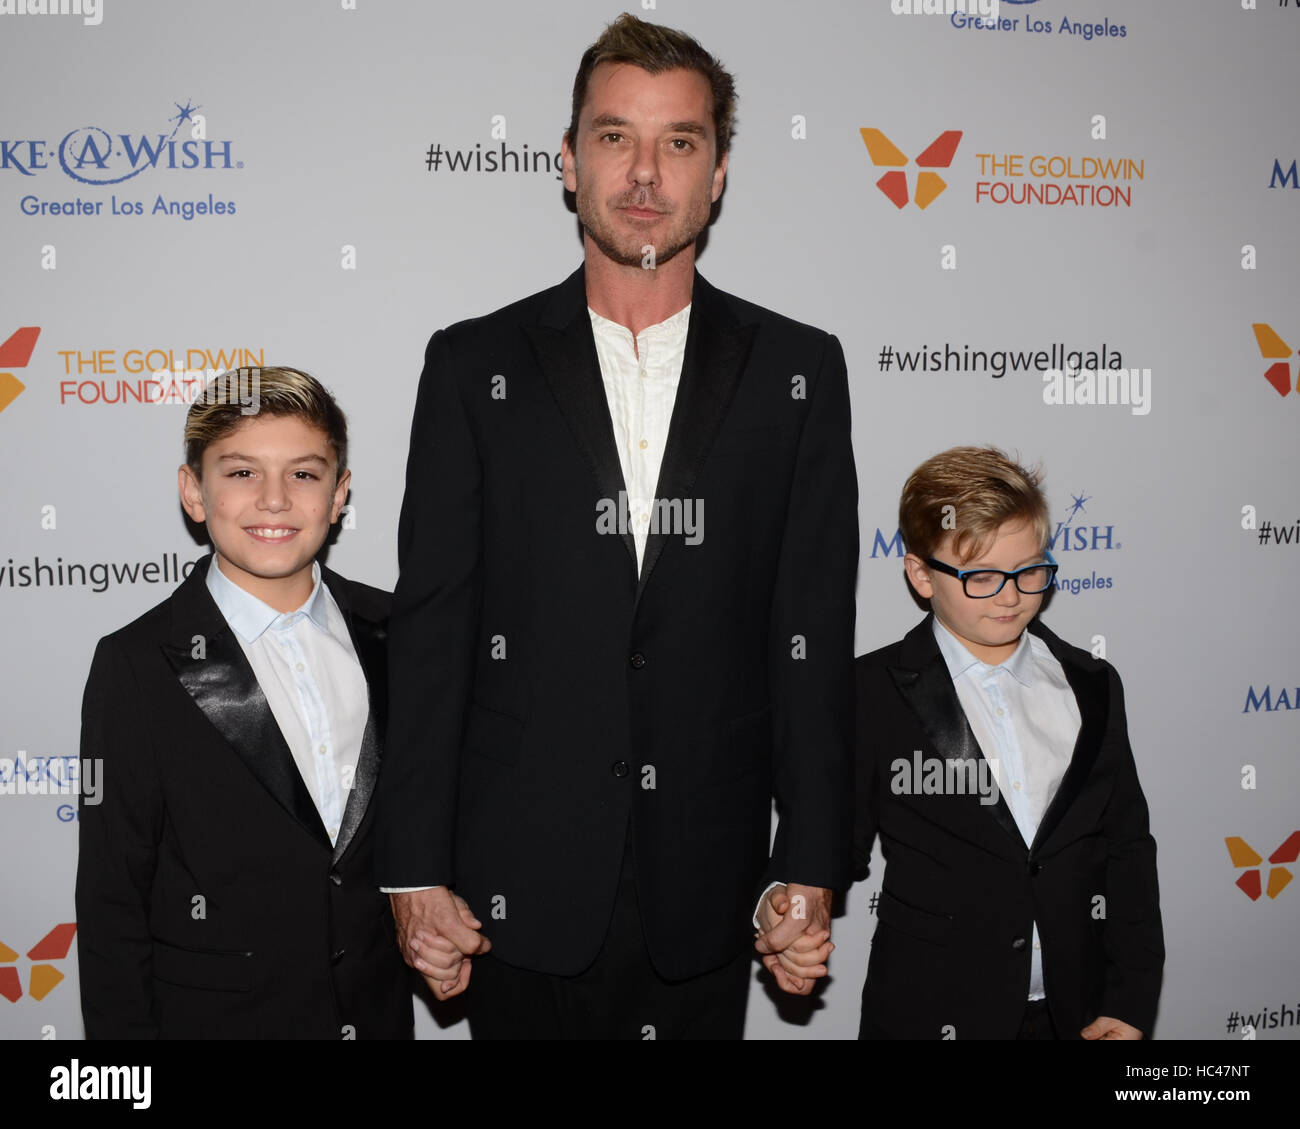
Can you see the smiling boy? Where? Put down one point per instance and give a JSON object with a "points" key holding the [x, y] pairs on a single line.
{"points": [[224, 886], [1035, 916]]}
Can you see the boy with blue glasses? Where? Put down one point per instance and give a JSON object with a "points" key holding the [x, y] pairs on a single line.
{"points": [[1020, 897]]}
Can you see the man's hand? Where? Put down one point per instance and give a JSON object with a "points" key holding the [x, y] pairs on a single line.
{"points": [[1103, 1027], [436, 935], [795, 935]]}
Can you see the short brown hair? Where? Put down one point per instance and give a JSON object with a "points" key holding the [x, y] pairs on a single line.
{"points": [[656, 49], [985, 488], [225, 402]]}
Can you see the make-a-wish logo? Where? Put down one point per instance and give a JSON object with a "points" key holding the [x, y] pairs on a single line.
{"points": [[1076, 534], [1266, 701], [887, 546], [90, 154]]}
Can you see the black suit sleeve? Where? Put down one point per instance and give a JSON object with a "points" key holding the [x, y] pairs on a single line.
{"points": [[432, 630], [1133, 934], [118, 854], [811, 659], [866, 815]]}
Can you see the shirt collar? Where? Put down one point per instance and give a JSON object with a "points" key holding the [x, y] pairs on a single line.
{"points": [[250, 617], [959, 660], [677, 324]]}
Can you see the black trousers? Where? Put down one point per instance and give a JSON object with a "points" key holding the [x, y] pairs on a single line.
{"points": [[1036, 1024], [620, 996]]}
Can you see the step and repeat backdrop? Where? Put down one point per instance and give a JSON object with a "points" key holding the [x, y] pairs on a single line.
{"points": [[1070, 228]]}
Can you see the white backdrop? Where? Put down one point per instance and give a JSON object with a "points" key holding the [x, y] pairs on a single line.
{"points": [[340, 248]]}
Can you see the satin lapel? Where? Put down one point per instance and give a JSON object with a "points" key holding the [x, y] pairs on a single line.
{"points": [[565, 350], [370, 640], [1091, 686], [927, 688], [216, 675], [717, 348]]}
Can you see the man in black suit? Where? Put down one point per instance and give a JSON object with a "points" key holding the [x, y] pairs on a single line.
{"points": [[1020, 897], [225, 879], [625, 612]]}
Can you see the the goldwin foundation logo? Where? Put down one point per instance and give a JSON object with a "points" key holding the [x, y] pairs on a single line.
{"points": [[1279, 877], [937, 155], [15, 353], [44, 976], [1273, 348]]}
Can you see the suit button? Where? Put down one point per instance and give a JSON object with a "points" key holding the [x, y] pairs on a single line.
{"points": [[338, 956], [1018, 944], [619, 768], [1035, 867], [637, 660], [336, 878]]}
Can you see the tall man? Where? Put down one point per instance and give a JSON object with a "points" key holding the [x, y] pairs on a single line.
{"points": [[625, 612]]}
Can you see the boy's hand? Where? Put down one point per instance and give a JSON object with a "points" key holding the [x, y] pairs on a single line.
{"points": [[1103, 1027], [794, 935], [436, 935]]}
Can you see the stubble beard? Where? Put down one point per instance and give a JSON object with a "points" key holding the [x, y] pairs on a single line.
{"points": [[676, 239]]}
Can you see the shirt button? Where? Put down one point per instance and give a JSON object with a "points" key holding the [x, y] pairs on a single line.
{"points": [[644, 444], [1016, 785], [1001, 711], [325, 748], [643, 372], [1037, 945], [645, 518], [637, 660], [300, 667], [619, 768]]}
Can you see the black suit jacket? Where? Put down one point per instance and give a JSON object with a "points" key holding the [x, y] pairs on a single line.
{"points": [[547, 701], [961, 890], [210, 902]]}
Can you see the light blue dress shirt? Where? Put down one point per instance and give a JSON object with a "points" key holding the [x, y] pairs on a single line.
{"points": [[308, 669], [1025, 717]]}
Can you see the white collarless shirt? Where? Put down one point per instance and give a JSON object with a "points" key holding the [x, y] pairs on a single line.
{"points": [[313, 681], [1024, 715], [641, 375]]}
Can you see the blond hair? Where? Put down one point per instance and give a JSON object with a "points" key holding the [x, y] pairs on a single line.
{"points": [[985, 490]]}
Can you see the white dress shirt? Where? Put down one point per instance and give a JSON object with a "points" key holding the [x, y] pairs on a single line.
{"points": [[1024, 715], [641, 377], [308, 669]]}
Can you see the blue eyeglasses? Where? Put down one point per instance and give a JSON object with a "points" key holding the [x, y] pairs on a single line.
{"points": [[981, 583]]}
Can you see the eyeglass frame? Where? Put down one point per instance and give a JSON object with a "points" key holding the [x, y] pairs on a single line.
{"points": [[962, 573]]}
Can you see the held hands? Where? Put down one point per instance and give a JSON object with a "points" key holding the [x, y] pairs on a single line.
{"points": [[436, 935], [1103, 1027], [794, 935]]}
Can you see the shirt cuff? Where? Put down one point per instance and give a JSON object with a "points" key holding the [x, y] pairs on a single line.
{"points": [[406, 889], [765, 893]]}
